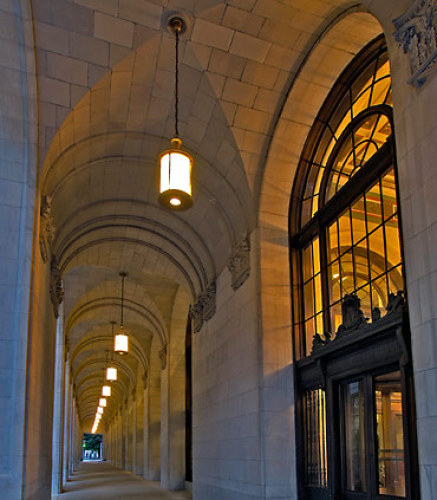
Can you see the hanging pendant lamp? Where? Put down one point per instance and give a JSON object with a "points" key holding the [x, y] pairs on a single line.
{"points": [[102, 402], [121, 340], [106, 391], [175, 165]]}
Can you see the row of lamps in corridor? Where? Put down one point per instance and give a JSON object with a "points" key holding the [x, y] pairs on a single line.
{"points": [[175, 192], [121, 347]]}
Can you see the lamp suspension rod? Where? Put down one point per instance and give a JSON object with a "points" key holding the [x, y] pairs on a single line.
{"points": [[123, 275], [176, 25]]}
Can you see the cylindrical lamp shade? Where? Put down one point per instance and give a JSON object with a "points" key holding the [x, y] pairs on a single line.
{"points": [[121, 342], [111, 373], [106, 390], [99, 409], [175, 168], [102, 402]]}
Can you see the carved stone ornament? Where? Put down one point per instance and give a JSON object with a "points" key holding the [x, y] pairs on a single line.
{"points": [[163, 357], [207, 301], [56, 286], [353, 316], [196, 316], [46, 227], [416, 32], [319, 341], [239, 263], [204, 307], [396, 302]]}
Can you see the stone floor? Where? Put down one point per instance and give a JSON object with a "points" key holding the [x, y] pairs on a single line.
{"points": [[100, 480]]}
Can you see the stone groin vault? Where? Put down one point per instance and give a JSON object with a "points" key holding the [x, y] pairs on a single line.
{"points": [[208, 392]]}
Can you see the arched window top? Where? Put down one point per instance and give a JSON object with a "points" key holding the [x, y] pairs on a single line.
{"points": [[353, 125]]}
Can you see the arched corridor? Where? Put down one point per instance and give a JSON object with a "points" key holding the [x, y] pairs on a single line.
{"points": [[230, 387], [100, 480]]}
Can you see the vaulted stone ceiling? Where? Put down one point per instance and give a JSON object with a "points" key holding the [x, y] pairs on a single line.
{"points": [[106, 110]]}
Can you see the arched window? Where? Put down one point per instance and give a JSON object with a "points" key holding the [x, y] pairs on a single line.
{"points": [[350, 327]]}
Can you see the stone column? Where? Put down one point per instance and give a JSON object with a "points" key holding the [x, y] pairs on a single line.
{"points": [[58, 407]]}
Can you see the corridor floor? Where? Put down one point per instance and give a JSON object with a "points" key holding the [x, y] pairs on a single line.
{"points": [[100, 480]]}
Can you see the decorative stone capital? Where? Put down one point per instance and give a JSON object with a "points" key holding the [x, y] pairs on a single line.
{"points": [[163, 357], [204, 307], [46, 227], [239, 262], [196, 317], [56, 286], [416, 32], [207, 301]]}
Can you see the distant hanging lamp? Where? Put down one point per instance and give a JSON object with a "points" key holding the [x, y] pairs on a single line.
{"points": [[175, 165], [121, 340], [111, 371], [106, 391]]}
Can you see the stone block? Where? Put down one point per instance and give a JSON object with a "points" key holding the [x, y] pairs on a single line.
{"points": [[260, 74], [113, 30], [239, 92], [241, 20], [108, 6], [252, 119], [249, 47], [52, 38], [212, 34], [54, 91], [141, 12], [72, 17], [226, 64], [89, 49], [67, 69]]}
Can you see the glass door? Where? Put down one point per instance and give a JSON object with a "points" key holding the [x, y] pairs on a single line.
{"points": [[371, 438]]}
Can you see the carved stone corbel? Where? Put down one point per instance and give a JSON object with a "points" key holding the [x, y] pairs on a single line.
{"points": [[239, 263], [207, 301], [56, 286], [416, 32], [204, 308], [163, 357], [46, 227]]}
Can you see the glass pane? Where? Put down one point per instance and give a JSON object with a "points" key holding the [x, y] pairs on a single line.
{"points": [[336, 317], [393, 244], [334, 282], [315, 438], [358, 220], [333, 242], [355, 456], [396, 280], [309, 334], [389, 195], [380, 91], [307, 263], [373, 208], [316, 255], [347, 273], [319, 324], [377, 252], [361, 264], [390, 442], [318, 292], [366, 303], [379, 293], [345, 231], [309, 299]]}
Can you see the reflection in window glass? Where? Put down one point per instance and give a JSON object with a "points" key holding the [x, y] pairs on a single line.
{"points": [[390, 443], [315, 438], [355, 459]]}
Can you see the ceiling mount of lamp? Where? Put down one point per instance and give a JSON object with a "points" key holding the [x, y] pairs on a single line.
{"points": [[175, 165], [121, 340]]}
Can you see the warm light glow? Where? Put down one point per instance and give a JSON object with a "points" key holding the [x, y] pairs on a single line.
{"points": [[99, 409], [106, 390], [121, 342], [111, 373], [175, 177], [102, 402]]}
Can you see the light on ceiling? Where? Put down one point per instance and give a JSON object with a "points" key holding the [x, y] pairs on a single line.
{"points": [[175, 165], [106, 391], [121, 340]]}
